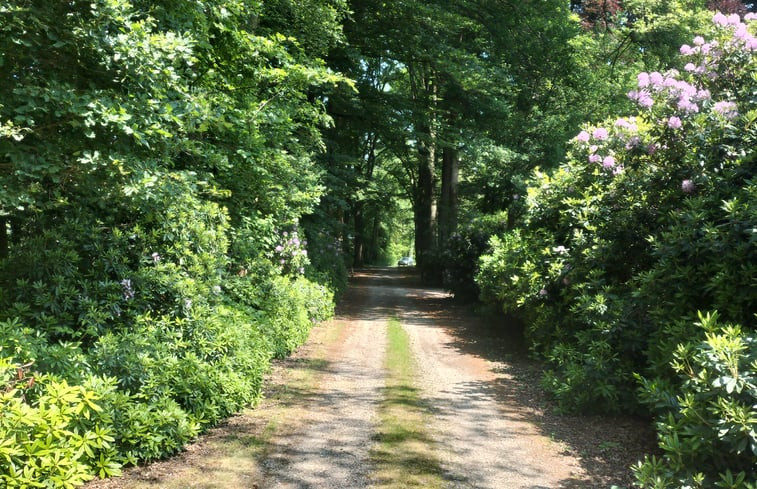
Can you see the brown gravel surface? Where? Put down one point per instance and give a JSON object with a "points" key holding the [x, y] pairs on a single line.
{"points": [[494, 425], [491, 425], [331, 449]]}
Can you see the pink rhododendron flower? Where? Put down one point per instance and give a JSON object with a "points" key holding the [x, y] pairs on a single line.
{"points": [[608, 162], [594, 158], [686, 50], [686, 105], [720, 19], [688, 186], [741, 32], [698, 41], [600, 134], [674, 122], [626, 124], [645, 100], [670, 82], [687, 89], [726, 109], [656, 78], [690, 67], [583, 137]]}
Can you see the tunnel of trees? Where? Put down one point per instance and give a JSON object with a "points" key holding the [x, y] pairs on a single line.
{"points": [[185, 185]]}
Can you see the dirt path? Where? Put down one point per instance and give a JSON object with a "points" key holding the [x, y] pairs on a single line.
{"points": [[485, 441], [331, 449], [489, 425]]}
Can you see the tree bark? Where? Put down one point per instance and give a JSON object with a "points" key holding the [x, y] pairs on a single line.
{"points": [[423, 205], [3, 237], [423, 88], [448, 197], [358, 258]]}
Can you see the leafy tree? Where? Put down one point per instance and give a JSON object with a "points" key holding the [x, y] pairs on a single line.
{"points": [[151, 156], [436, 77]]}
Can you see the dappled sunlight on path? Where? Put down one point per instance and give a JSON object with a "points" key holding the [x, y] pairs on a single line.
{"points": [[482, 420]]}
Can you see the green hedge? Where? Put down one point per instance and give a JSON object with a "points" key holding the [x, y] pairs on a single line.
{"points": [[706, 423], [651, 219], [134, 337], [140, 393]]}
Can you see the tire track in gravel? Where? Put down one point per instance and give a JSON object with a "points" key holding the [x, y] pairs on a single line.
{"points": [[484, 442], [332, 448]]}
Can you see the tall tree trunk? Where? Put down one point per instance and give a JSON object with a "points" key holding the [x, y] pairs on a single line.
{"points": [[423, 88], [358, 240], [376, 239], [3, 237], [364, 243], [423, 205], [448, 197]]}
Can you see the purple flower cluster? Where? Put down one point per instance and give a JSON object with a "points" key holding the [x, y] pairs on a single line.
{"points": [[706, 58], [741, 36], [291, 254], [726, 109], [600, 140], [669, 99], [679, 93], [674, 122]]}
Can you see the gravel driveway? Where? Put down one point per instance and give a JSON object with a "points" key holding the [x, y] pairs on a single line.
{"points": [[490, 424]]}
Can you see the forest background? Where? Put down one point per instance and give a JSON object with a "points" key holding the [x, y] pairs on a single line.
{"points": [[184, 185]]}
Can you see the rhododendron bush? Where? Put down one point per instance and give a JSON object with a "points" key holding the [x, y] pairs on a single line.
{"points": [[651, 219]]}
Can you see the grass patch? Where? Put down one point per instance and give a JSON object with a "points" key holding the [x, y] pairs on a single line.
{"points": [[403, 453]]}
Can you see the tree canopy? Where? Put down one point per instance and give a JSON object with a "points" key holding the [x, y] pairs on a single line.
{"points": [[184, 185]]}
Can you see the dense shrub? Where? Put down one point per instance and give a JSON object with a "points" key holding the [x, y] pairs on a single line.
{"points": [[51, 431], [459, 258], [651, 219], [706, 424], [177, 341], [142, 295], [328, 260], [142, 392]]}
